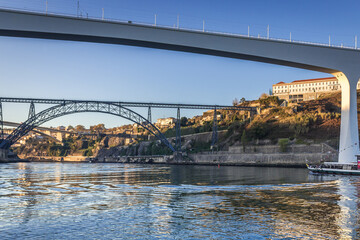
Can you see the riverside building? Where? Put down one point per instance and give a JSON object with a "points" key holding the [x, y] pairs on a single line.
{"points": [[305, 90]]}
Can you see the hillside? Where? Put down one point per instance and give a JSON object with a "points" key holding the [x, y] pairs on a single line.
{"points": [[312, 121], [317, 120]]}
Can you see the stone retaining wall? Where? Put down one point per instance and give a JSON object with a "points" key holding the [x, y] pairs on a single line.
{"points": [[60, 159], [261, 159], [266, 155], [137, 159], [296, 156], [295, 148]]}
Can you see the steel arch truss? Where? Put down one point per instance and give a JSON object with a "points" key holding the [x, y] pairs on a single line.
{"points": [[82, 106]]}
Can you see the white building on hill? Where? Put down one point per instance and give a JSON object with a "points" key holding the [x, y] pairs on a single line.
{"points": [[305, 90]]}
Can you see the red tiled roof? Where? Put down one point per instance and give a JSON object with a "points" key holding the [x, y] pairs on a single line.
{"points": [[314, 80], [309, 80]]}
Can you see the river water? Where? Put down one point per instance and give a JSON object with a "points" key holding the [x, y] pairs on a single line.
{"points": [[121, 201]]}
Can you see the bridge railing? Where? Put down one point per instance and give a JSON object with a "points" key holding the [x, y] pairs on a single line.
{"points": [[128, 104]]}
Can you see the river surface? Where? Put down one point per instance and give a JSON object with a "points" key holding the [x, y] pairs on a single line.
{"points": [[121, 201]]}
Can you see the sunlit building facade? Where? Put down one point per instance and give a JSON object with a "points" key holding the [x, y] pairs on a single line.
{"points": [[305, 90]]}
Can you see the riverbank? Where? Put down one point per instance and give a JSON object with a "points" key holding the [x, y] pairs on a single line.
{"points": [[58, 159], [269, 155], [261, 156], [295, 155], [7, 156]]}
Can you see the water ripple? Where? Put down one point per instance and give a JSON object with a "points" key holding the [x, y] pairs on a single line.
{"points": [[107, 201]]}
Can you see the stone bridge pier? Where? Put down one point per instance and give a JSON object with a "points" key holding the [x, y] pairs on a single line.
{"points": [[4, 155]]}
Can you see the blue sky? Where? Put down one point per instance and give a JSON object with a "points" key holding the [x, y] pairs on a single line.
{"points": [[72, 70]]}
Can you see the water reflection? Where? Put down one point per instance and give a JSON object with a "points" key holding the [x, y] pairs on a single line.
{"points": [[29, 199], [155, 201], [347, 219]]}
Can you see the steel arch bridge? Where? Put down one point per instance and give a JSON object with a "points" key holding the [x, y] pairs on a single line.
{"points": [[70, 107]]}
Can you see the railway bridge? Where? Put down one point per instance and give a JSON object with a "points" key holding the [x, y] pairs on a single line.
{"points": [[62, 107]]}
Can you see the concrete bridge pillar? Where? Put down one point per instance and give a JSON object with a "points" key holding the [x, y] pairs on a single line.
{"points": [[258, 110], [3, 154], [349, 135]]}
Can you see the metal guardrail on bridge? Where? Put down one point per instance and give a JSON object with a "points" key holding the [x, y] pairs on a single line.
{"points": [[177, 27]]}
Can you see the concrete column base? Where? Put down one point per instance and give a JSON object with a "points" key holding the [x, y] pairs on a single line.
{"points": [[349, 137], [4, 155]]}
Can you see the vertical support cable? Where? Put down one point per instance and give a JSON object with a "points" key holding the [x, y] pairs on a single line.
{"points": [[355, 42], [215, 131], [178, 132], [31, 110], [149, 114], [178, 21], [46, 7], [2, 123]]}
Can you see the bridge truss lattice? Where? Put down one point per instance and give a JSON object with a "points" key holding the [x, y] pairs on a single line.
{"points": [[78, 107], [66, 107]]}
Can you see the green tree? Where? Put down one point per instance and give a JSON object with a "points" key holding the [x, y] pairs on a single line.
{"points": [[235, 102], [259, 130], [283, 143], [183, 121], [98, 128], [301, 124], [263, 95], [80, 128], [265, 101]]}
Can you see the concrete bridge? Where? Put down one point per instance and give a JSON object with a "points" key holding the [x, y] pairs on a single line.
{"points": [[340, 62]]}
